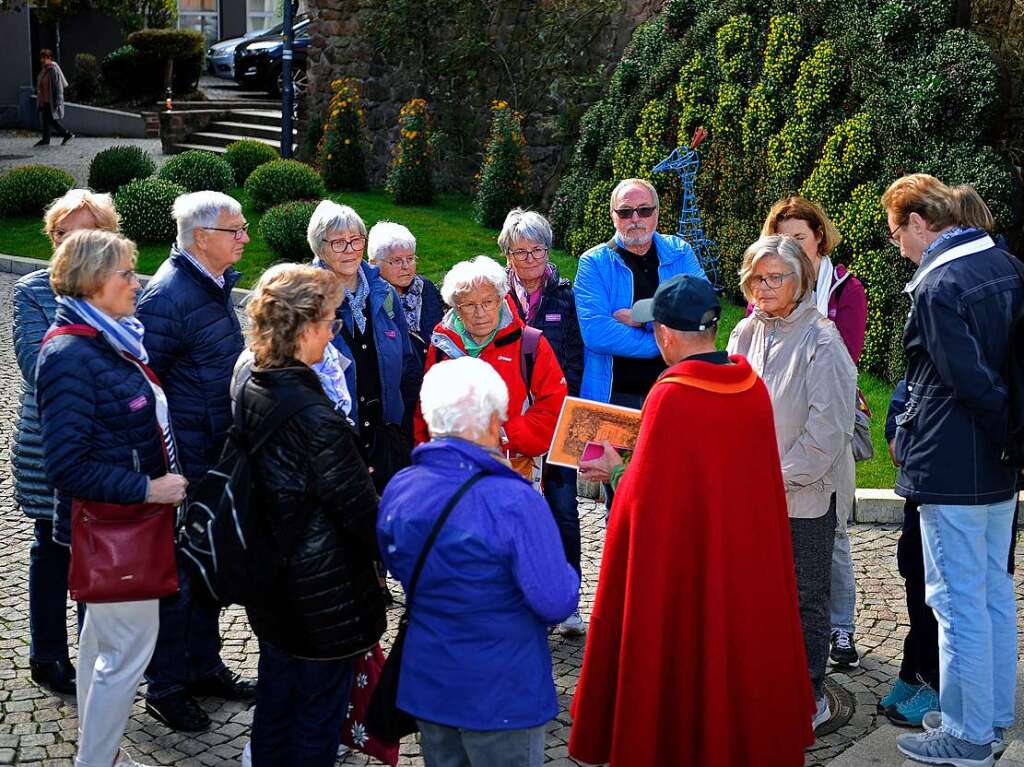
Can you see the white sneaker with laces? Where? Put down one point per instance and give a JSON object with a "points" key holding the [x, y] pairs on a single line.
{"points": [[573, 625], [822, 714], [933, 721]]}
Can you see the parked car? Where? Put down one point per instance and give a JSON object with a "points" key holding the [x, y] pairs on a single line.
{"points": [[258, 61], [220, 58]]}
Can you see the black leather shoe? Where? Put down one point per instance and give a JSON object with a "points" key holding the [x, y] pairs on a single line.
{"points": [[56, 676], [179, 712], [66, 139], [224, 684], [41, 143]]}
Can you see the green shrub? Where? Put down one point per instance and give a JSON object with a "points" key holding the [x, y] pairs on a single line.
{"points": [[136, 71], [341, 155], [125, 73], [86, 79], [197, 171], [246, 155], [504, 179], [283, 181], [145, 209], [27, 190], [409, 179], [284, 229], [112, 168], [736, 47]]}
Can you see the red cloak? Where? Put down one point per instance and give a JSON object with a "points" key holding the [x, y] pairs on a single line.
{"points": [[695, 654]]}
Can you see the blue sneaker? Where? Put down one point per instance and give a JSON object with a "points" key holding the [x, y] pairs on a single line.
{"points": [[901, 692], [933, 721], [939, 747], [911, 712]]}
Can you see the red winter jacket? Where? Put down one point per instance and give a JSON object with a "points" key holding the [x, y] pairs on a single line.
{"points": [[529, 433]]}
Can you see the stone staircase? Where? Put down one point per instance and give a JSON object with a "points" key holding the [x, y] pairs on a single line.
{"points": [[229, 125]]}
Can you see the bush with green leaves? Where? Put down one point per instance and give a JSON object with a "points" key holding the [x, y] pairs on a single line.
{"points": [[26, 191], [197, 171], [341, 155], [112, 168], [283, 181], [136, 71], [144, 206], [504, 180], [86, 80], [247, 155], [409, 179], [284, 229]]}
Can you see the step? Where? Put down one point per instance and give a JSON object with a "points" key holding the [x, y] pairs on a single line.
{"points": [[211, 138], [216, 149], [246, 130], [257, 116]]}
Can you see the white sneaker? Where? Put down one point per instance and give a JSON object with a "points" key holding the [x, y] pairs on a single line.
{"points": [[822, 714], [343, 750], [123, 760], [247, 754], [573, 625]]}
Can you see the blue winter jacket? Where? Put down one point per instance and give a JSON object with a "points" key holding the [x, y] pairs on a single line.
{"points": [[34, 310], [949, 437], [101, 439], [476, 653], [604, 284], [395, 358], [193, 337]]}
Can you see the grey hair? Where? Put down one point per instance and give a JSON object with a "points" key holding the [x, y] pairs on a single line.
{"points": [[200, 210], [524, 225], [460, 396], [623, 185], [466, 275], [385, 237], [329, 216], [785, 248]]}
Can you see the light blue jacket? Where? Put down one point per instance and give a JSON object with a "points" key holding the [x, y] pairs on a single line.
{"points": [[604, 284]]}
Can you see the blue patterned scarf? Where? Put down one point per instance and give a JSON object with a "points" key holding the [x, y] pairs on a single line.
{"points": [[125, 334], [412, 303], [357, 300]]}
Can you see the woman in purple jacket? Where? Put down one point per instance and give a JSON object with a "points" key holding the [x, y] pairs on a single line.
{"points": [[840, 297]]}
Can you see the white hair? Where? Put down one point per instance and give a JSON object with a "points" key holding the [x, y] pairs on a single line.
{"points": [[466, 275], [625, 184], [524, 225], [460, 396], [329, 216], [200, 210], [385, 237]]}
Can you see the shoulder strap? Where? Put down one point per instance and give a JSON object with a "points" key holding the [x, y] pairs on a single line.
{"points": [[86, 331], [435, 531], [528, 354]]}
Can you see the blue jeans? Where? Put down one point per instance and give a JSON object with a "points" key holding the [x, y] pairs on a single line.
{"points": [[445, 746], [188, 646], [300, 707], [48, 595], [967, 586], [560, 492], [844, 586]]}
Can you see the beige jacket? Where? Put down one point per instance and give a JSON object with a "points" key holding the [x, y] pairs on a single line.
{"points": [[813, 385]]}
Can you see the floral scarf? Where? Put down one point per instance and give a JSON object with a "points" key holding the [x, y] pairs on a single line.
{"points": [[412, 303], [530, 302], [356, 300]]}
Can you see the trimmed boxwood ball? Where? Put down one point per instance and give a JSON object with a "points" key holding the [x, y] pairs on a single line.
{"points": [[283, 181], [247, 155], [29, 189], [284, 229], [145, 209], [114, 167], [198, 171]]}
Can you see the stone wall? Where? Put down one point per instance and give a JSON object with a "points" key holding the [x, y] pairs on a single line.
{"points": [[342, 43]]}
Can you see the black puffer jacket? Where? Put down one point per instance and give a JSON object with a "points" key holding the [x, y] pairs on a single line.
{"points": [[322, 511]]}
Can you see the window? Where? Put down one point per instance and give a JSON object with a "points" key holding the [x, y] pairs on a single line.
{"points": [[262, 14], [201, 16]]}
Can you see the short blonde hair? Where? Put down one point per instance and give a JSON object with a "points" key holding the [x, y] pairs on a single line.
{"points": [[972, 210], [287, 297], [86, 259], [780, 246], [802, 209], [924, 195], [101, 206], [466, 275]]}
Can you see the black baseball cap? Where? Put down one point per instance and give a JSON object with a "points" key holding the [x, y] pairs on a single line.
{"points": [[684, 302]]}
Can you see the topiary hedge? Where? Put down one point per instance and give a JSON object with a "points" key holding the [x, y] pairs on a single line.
{"points": [[145, 209], [284, 229], [504, 179], [341, 155], [112, 168], [197, 171], [27, 190], [246, 155], [283, 181], [410, 179]]}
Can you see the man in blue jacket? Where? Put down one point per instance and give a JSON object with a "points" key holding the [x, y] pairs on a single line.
{"points": [[621, 360], [193, 337]]}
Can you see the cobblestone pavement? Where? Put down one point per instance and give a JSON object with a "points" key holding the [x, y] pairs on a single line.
{"points": [[37, 728], [16, 150]]}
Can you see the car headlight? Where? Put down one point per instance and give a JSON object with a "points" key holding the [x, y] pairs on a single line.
{"points": [[263, 46]]}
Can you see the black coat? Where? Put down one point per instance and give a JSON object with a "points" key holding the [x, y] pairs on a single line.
{"points": [[321, 509]]}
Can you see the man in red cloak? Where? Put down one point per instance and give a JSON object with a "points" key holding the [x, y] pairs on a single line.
{"points": [[697, 561]]}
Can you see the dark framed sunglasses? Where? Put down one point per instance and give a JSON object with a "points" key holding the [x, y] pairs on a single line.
{"points": [[644, 212]]}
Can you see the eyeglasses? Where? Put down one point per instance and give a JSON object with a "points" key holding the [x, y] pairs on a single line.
{"points": [[128, 274], [343, 246], [644, 212], [401, 263], [773, 281], [238, 233], [892, 234], [484, 307], [538, 253], [335, 326]]}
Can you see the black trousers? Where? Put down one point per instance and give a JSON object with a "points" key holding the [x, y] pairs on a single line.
{"points": [[921, 645], [50, 123]]}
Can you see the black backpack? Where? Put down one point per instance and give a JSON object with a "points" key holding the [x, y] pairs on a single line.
{"points": [[227, 543]]}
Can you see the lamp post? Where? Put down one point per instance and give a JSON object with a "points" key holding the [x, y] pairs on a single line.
{"points": [[287, 87]]}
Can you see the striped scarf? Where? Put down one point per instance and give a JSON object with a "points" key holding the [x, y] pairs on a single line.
{"points": [[356, 300]]}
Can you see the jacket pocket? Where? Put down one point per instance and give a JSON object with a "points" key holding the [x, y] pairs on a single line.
{"points": [[904, 425]]}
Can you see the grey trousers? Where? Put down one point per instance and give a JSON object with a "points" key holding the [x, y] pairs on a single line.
{"points": [[813, 540], [445, 746]]}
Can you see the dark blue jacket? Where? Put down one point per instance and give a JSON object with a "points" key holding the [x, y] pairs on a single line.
{"points": [[556, 319], [193, 337], [897, 405], [101, 439], [476, 653], [950, 435], [432, 311], [34, 310], [395, 359]]}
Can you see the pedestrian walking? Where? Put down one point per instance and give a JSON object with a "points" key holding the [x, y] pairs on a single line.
{"points": [[50, 85]]}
